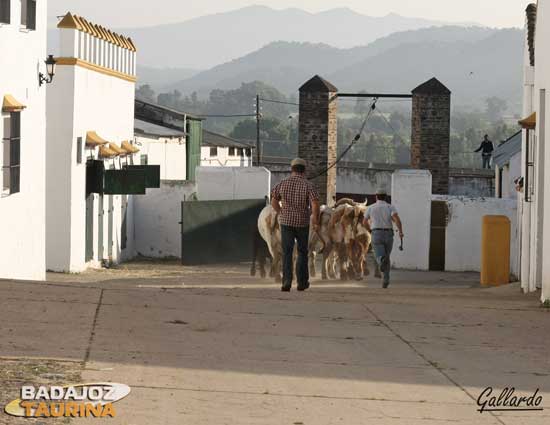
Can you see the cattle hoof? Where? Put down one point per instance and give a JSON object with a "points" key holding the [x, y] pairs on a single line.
{"points": [[262, 274]]}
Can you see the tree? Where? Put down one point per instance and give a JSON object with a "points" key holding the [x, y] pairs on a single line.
{"points": [[495, 107], [146, 93]]}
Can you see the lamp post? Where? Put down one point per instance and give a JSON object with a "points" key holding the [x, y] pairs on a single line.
{"points": [[50, 70]]}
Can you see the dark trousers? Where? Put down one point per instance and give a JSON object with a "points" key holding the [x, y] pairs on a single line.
{"points": [[301, 236]]}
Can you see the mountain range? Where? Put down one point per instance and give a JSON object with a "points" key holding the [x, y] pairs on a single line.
{"points": [[475, 63], [213, 39]]}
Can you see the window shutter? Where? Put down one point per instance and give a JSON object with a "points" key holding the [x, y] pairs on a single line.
{"points": [[5, 11], [31, 14], [15, 125], [24, 12]]}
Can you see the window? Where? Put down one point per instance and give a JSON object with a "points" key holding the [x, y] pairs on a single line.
{"points": [[144, 159], [79, 150], [231, 151], [5, 11], [248, 152], [28, 14], [240, 152], [214, 151], [12, 153]]}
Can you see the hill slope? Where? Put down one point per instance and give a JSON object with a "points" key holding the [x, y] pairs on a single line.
{"points": [[210, 40], [474, 62]]}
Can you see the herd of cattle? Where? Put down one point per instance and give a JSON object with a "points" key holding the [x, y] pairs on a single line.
{"points": [[342, 240]]}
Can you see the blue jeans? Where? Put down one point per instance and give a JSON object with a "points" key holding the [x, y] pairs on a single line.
{"points": [[486, 161], [288, 237], [382, 244]]}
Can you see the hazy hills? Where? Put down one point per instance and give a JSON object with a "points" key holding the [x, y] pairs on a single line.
{"points": [[474, 62], [210, 40]]}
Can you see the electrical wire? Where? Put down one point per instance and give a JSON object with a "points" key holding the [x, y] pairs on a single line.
{"points": [[353, 142], [279, 102]]}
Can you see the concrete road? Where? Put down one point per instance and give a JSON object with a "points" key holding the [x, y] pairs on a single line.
{"points": [[215, 346]]}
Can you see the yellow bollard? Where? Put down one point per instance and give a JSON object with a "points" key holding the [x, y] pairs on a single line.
{"points": [[495, 250]]}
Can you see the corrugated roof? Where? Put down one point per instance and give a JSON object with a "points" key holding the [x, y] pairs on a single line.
{"points": [[214, 139], [142, 127], [506, 150]]}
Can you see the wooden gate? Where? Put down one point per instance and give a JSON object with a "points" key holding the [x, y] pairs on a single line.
{"points": [[218, 231]]}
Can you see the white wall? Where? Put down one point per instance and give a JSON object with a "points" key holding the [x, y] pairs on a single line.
{"points": [[226, 183], [22, 215], [463, 236], [222, 159], [411, 195], [510, 172], [81, 100], [542, 82], [168, 152], [157, 215]]}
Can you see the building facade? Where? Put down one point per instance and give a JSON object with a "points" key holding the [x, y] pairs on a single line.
{"points": [[534, 207], [222, 151], [507, 161], [90, 107], [23, 130]]}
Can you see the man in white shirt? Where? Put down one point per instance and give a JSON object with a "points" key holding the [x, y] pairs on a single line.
{"points": [[379, 220]]}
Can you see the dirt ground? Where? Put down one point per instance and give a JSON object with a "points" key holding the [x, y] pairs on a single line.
{"points": [[213, 345]]}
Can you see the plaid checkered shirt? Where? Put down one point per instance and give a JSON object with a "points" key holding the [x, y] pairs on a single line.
{"points": [[295, 194]]}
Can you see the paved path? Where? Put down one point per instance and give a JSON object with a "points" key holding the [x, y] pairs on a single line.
{"points": [[217, 347]]}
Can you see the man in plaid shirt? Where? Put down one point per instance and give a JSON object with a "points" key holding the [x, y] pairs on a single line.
{"points": [[296, 201]]}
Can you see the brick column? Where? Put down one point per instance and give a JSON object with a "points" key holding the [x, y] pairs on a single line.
{"points": [[318, 134], [431, 132]]}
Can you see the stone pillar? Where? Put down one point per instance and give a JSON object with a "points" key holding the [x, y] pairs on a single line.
{"points": [[317, 134], [431, 132]]}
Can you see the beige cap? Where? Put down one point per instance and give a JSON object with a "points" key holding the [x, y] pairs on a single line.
{"points": [[298, 161]]}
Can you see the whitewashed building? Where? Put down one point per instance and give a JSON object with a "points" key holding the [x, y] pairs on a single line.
{"points": [[162, 146], [535, 197], [169, 148], [90, 109], [23, 144], [222, 151], [507, 161]]}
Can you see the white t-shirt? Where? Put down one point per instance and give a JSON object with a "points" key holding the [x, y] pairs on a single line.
{"points": [[380, 215]]}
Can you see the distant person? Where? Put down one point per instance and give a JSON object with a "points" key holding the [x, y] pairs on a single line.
{"points": [[379, 220], [486, 150], [297, 202]]}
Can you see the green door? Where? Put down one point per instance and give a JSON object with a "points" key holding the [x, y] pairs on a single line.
{"points": [[193, 147]]}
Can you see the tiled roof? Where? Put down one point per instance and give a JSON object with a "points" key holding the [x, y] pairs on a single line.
{"points": [[531, 12], [79, 23]]}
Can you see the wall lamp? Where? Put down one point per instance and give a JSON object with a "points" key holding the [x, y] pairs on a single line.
{"points": [[50, 69]]}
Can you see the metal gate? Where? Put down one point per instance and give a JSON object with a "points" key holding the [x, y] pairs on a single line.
{"points": [[438, 235], [110, 218], [100, 229], [218, 231], [89, 227]]}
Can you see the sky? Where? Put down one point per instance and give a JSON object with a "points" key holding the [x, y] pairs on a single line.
{"points": [[136, 13]]}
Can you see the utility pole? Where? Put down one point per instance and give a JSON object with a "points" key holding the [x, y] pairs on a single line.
{"points": [[258, 145]]}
